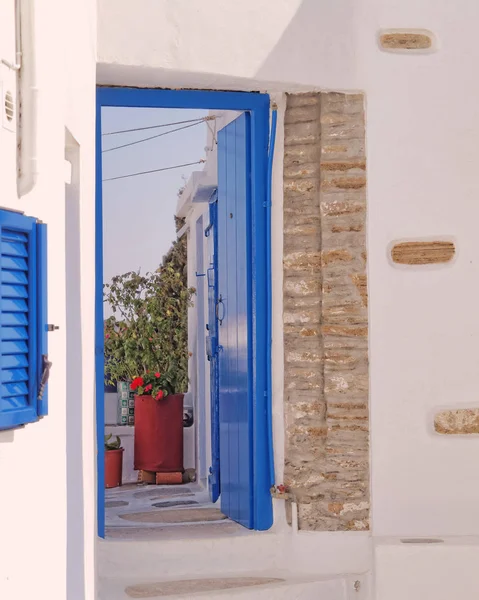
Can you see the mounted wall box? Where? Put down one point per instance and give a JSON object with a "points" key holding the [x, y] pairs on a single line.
{"points": [[24, 364]]}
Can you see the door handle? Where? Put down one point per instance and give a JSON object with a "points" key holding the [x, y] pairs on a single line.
{"points": [[210, 277], [218, 304]]}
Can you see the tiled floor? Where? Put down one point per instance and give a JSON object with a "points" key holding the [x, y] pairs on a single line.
{"points": [[138, 511]]}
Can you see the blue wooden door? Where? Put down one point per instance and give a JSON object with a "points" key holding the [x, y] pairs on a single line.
{"points": [[212, 350], [233, 311]]}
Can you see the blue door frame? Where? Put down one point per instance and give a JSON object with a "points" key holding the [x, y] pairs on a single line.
{"points": [[260, 270]]}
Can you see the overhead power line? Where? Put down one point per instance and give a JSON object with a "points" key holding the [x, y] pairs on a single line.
{"points": [[198, 162], [208, 118], [152, 137]]}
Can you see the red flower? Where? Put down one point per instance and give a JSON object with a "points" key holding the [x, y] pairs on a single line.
{"points": [[107, 335], [137, 382], [159, 395], [157, 374], [148, 388]]}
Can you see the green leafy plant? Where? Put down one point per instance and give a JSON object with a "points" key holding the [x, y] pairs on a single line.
{"points": [[112, 445], [148, 332]]}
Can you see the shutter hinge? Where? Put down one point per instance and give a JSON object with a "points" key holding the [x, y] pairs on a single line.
{"points": [[47, 365], [52, 327]]}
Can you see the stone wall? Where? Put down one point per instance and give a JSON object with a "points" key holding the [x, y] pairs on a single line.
{"points": [[325, 311]]}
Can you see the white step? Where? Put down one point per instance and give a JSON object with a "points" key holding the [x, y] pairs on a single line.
{"points": [[287, 587], [322, 554]]}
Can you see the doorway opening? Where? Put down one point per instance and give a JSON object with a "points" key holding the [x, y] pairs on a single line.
{"points": [[219, 358]]}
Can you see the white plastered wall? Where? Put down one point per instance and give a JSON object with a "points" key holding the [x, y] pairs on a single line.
{"points": [[422, 130], [48, 525]]}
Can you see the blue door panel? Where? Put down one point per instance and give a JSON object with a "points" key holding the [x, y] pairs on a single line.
{"points": [[223, 373], [214, 480], [243, 310], [234, 289], [230, 325]]}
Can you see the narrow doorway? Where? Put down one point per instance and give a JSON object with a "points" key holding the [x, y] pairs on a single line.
{"points": [[227, 397]]}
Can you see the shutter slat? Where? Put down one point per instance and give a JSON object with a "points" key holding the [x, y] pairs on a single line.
{"points": [[18, 277], [13, 403], [13, 305], [14, 291], [14, 236], [14, 375], [14, 348], [14, 249], [14, 264], [18, 318], [13, 333], [13, 360], [13, 389]]}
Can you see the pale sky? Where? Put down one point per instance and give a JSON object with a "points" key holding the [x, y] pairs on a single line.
{"points": [[138, 224]]}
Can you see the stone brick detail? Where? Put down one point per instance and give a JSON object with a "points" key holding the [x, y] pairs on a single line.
{"points": [[325, 311], [406, 40], [423, 253], [463, 421]]}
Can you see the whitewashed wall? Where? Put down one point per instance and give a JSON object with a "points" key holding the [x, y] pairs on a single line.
{"points": [[422, 132], [47, 469]]}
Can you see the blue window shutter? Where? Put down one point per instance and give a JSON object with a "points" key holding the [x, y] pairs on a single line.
{"points": [[42, 292], [22, 259]]}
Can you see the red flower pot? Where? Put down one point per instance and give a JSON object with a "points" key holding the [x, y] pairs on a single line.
{"points": [[113, 467], [159, 434]]}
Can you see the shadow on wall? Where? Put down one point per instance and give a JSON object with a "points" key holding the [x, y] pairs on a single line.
{"points": [[319, 45], [317, 49], [6, 437], [74, 401]]}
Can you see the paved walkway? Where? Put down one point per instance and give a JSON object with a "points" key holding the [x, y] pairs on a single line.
{"points": [[138, 511]]}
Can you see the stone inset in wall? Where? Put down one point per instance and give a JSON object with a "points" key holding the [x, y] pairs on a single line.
{"points": [[457, 422], [423, 253], [404, 40], [325, 311]]}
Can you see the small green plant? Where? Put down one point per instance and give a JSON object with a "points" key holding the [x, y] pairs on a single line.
{"points": [[112, 445]]}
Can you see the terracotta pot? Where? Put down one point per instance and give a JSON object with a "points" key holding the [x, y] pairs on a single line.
{"points": [[159, 434], [113, 467]]}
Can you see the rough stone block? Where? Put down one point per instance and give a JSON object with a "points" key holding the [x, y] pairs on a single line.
{"points": [[406, 40], [301, 170], [302, 154], [463, 421], [325, 316], [423, 253], [302, 114], [306, 99], [302, 133]]}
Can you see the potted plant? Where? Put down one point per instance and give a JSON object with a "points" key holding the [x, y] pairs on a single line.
{"points": [[113, 461], [158, 422], [146, 344]]}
